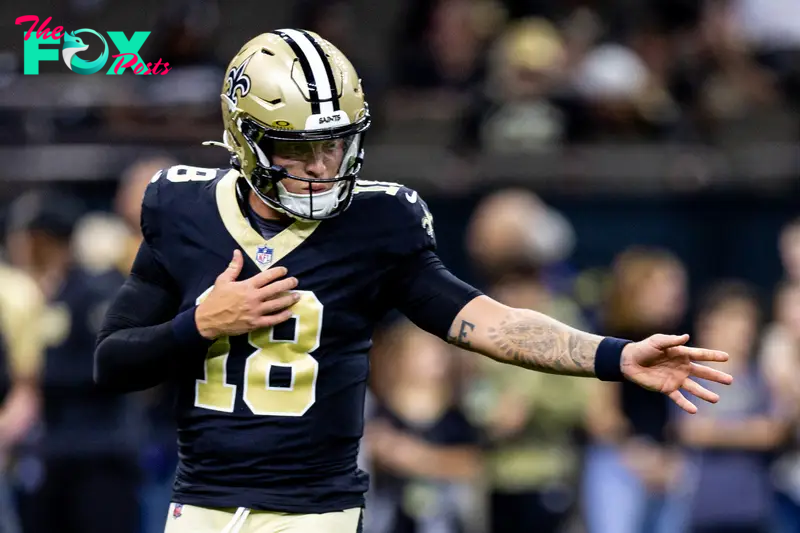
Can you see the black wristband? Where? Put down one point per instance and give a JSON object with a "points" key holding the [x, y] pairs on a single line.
{"points": [[608, 358]]}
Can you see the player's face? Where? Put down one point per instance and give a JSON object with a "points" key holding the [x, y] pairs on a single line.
{"points": [[314, 160]]}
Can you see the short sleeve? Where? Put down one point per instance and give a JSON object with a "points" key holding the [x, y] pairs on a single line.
{"points": [[414, 220]]}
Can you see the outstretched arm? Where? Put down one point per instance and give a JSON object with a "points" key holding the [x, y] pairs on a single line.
{"points": [[440, 303], [524, 338], [535, 341]]}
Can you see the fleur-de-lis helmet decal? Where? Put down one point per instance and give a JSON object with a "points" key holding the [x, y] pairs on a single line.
{"points": [[237, 79]]}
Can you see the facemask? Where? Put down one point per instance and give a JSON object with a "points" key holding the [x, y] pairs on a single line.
{"points": [[324, 203]]}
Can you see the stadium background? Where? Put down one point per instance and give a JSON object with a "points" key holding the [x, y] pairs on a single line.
{"points": [[588, 158]]}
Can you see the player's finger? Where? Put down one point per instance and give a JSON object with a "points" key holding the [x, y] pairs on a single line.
{"points": [[278, 304], [268, 276], [682, 402], [234, 268], [662, 342], [271, 320], [692, 387], [711, 374], [701, 354], [276, 288]]}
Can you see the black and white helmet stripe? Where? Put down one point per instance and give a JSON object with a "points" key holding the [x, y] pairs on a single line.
{"points": [[328, 70], [317, 70]]}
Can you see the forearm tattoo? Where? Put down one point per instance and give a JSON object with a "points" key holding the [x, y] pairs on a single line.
{"points": [[537, 342], [463, 333]]}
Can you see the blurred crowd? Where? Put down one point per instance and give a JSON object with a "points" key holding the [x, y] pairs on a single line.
{"points": [[478, 77], [537, 74], [454, 443]]}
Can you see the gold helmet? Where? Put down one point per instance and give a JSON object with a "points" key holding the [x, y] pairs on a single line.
{"points": [[293, 86]]}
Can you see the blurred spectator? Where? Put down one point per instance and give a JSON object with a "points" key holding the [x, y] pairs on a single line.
{"points": [[519, 108], [772, 29], [513, 226], [88, 449], [21, 347], [424, 451], [731, 443], [101, 244], [780, 351], [780, 366], [532, 422], [441, 43], [630, 466], [719, 83], [530, 419], [625, 102], [789, 248]]}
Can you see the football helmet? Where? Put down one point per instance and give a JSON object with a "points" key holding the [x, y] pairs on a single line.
{"points": [[292, 86]]}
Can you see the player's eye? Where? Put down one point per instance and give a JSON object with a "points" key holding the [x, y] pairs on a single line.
{"points": [[330, 147], [290, 150]]}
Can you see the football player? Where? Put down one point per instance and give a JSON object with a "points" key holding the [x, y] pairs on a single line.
{"points": [[271, 369]]}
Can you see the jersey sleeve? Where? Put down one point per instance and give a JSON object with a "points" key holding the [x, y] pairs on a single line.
{"points": [[151, 219], [22, 309], [412, 223], [418, 284], [427, 293], [142, 340]]}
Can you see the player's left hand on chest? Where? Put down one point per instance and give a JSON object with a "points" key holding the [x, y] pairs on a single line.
{"points": [[665, 364]]}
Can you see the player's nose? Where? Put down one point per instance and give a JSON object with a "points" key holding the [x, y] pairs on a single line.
{"points": [[315, 167]]}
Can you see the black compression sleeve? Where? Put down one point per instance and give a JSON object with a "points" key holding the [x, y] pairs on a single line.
{"points": [[429, 294], [142, 338]]}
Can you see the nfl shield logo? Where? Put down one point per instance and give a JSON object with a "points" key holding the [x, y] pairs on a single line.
{"points": [[177, 511], [264, 255]]}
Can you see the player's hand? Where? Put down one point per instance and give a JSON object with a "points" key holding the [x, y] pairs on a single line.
{"points": [[236, 307], [663, 363]]}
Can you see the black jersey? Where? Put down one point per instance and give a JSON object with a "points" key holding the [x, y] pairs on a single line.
{"points": [[272, 420], [80, 418]]}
